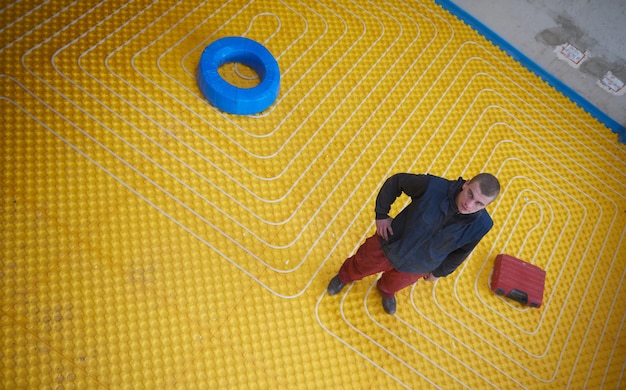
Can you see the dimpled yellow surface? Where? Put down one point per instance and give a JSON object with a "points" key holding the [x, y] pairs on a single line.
{"points": [[151, 241]]}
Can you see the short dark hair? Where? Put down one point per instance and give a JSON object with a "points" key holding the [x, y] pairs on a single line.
{"points": [[488, 183]]}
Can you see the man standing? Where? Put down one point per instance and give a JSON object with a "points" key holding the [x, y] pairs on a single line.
{"points": [[428, 239]]}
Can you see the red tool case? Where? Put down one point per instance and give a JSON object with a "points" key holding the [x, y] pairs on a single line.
{"points": [[518, 280]]}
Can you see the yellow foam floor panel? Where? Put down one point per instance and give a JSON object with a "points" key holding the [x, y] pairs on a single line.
{"points": [[151, 241]]}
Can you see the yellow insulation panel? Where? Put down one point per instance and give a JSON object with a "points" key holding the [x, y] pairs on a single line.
{"points": [[150, 240]]}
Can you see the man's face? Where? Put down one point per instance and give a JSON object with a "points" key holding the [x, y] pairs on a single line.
{"points": [[470, 199]]}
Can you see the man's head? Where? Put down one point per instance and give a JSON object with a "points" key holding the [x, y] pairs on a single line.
{"points": [[477, 193]]}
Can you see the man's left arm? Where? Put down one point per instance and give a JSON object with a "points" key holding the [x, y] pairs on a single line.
{"points": [[454, 260]]}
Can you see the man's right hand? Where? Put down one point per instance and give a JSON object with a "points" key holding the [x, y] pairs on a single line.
{"points": [[383, 228]]}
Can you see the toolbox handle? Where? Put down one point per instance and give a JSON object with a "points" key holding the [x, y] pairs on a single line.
{"points": [[518, 296]]}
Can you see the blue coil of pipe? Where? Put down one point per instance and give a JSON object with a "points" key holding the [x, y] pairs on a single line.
{"points": [[230, 98]]}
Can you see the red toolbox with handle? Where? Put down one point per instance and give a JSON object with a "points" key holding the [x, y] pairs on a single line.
{"points": [[518, 280]]}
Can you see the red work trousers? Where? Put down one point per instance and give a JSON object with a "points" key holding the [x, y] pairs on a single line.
{"points": [[370, 259]]}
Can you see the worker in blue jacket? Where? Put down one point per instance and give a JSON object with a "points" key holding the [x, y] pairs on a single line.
{"points": [[428, 239]]}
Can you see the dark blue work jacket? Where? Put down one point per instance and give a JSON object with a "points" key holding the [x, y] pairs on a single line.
{"points": [[430, 235]]}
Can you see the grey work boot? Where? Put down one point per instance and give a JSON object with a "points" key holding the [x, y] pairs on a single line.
{"points": [[335, 286], [389, 304]]}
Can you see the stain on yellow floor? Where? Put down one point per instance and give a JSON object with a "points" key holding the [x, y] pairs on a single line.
{"points": [[151, 241]]}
